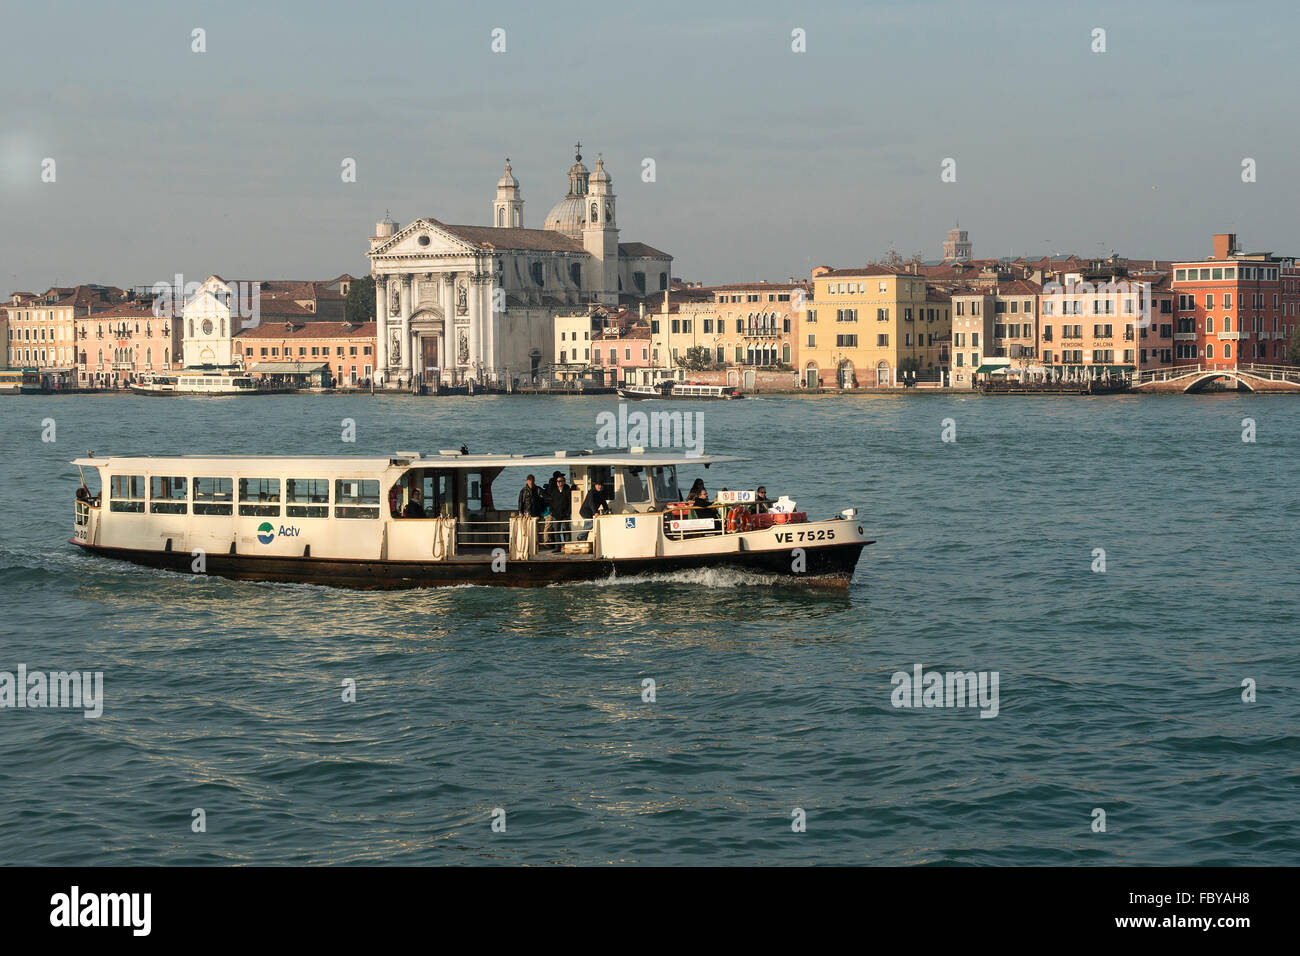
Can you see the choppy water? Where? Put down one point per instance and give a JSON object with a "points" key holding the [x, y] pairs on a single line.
{"points": [[1119, 691]]}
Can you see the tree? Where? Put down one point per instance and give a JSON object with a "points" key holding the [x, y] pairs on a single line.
{"points": [[698, 358], [359, 307], [1293, 347]]}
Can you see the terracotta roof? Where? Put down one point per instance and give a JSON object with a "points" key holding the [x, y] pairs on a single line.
{"points": [[1020, 287], [134, 310], [308, 330], [871, 269]]}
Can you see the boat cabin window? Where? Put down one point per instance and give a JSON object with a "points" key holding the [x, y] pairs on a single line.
{"points": [[665, 483], [259, 497], [168, 495], [350, 494], [126, 493], [307, 497], [635, 490], [213, 496]]}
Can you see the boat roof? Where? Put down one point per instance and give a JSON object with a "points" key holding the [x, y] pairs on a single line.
{"points": [[444, 459]]}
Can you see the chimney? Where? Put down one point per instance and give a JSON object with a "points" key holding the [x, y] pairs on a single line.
{"points": [[1225, 244]]}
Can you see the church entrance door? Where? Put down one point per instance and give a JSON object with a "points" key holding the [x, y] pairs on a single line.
{"points": [[428, 358]]}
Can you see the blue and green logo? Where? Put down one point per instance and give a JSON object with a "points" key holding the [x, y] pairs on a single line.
{"points": [[266, 532]]}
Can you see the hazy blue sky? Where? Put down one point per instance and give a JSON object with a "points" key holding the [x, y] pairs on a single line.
{"points": [[768, 161]]}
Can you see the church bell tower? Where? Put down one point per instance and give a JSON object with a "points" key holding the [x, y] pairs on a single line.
{"points": [[600, 235], [508, 208]]}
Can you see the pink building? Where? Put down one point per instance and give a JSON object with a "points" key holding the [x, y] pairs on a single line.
{"points": [[122, 344]]}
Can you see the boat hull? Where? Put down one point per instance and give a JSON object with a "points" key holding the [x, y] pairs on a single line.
{"points": [[656, 396], [827, 566]]}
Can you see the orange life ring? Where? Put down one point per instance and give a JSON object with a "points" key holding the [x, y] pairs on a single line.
{"points": [[738, 520]]}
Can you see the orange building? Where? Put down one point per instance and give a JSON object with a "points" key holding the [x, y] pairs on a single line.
{"points": [[320, 353]]}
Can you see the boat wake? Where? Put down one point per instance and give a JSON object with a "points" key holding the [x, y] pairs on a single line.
{"points": [[702, 578]]}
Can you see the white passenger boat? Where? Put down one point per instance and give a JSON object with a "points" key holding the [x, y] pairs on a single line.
{"points": [[417, 520], [682, 390], [218, 381]]}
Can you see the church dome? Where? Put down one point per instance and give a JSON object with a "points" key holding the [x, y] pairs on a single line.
{"points": [[568, 216]]}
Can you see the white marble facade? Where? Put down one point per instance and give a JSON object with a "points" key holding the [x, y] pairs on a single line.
{"points": [[477, 303]]}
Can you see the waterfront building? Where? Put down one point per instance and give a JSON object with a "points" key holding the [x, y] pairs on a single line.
{"points": [[756, 325], [41, 332], [618, 353], [211, 317], [307, 353], [1230, 307], [972, 333], [124, 343], [872, 326], [461, 302], [572, 345], [1096, 320]]}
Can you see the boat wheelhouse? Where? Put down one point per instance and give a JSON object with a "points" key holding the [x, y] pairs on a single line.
{"points": [[428, 520]]}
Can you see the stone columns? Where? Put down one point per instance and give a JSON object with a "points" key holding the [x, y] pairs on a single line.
{"points": [[447, 351], [405, 305], [475, 327], [381, 330]]}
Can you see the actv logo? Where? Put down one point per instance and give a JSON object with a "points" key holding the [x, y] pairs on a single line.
{"points": [[266, 532]]}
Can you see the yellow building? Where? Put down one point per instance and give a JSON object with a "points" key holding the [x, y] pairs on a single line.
{"points": [[873, 327]]}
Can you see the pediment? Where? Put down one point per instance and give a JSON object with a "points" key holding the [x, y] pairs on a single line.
{"points": [[423, 237]]}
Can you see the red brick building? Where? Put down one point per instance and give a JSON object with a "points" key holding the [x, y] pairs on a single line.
{"points": [[325, 353], [1230, 307]]}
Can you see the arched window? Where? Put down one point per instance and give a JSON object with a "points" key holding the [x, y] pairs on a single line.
{"points": [[148, 357], [101, 356], [167, 361], [501, 217], [595, 213]]}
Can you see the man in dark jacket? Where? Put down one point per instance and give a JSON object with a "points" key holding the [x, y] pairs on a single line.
{"points": [[596, 502], [531, 500], [561, 500]]}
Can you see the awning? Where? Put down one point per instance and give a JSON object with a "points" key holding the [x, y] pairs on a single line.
{"points": [[986, 369], [288, 368], [1097, 368]]}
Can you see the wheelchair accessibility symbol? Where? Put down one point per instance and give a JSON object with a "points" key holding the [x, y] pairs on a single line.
{"points": [[629, 522]]}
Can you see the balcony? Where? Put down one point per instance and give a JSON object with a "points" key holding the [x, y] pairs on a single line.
{"points": [[1231, 336], [1185, 336]]}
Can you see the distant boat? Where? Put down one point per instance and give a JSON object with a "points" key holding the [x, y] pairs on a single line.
{"points": [[681, 390], [204, 382]]}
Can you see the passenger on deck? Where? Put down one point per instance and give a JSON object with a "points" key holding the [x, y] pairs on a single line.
{"points": [[414, 508], [699, 500], [531, 500], [561, 500], [761, 503], [596, 502]]}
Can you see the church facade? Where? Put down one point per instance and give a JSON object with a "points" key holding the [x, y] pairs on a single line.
{"points": [[478, 303]]}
